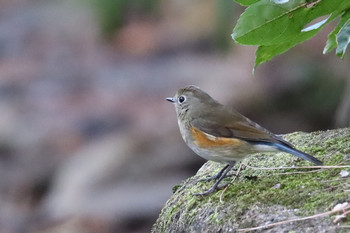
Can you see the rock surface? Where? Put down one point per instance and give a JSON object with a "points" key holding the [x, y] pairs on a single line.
{"points": [[259, 197]]}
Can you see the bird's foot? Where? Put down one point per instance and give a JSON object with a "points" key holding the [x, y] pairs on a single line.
{"points": [[220, 176], [211, 190], [216, 176], [210, 178]]}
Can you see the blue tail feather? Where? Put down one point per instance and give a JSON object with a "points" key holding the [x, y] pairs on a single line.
{"points": [[298, 153]]}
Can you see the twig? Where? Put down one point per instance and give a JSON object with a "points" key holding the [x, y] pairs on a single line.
{"points": [[223, 191], [293, 220], [306, 167], [340, 217], [340, 179], [288, 173]]}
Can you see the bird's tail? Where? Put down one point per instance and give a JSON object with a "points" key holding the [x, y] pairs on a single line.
{"points": [[298, 153]]}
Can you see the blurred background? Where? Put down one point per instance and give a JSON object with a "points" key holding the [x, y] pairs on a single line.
{"points": [[88, 142]]}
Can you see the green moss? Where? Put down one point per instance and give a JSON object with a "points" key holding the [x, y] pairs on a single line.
{"points": [[215, 216], [336, 158], [297, 191], [176, 187]]}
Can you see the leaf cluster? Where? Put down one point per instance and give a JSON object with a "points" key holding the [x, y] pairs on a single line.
{"points": [[275, 26]]}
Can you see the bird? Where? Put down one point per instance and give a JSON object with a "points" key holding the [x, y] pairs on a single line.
{"points": [[218, 133]]}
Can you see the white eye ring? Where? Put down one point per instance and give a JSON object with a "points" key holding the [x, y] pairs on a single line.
{"points": [[181, 99]]}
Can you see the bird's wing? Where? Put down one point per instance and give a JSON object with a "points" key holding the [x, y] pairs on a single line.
{"points": [[237, 126]]}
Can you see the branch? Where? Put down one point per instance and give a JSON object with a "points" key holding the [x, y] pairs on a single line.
{"points": [[306, 167], [295, 220]]}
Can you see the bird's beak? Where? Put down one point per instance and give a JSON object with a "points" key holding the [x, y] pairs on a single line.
{"points": [[170, 99]]}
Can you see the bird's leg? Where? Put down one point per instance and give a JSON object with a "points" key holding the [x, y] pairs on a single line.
{"points": [[216, 176], [215, 186]]}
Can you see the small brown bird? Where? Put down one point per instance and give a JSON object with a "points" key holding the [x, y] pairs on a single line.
{"points": [[219, 133]]}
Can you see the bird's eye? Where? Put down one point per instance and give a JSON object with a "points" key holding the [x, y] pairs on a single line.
{"points": [[182, 99]]}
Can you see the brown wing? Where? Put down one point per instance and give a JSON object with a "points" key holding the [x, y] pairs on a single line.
{"points": [[234, 126]]}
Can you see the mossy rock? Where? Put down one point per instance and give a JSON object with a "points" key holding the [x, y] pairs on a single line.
{"points": [[260, 197]]}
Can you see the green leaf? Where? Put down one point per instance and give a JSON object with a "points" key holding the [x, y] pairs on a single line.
{"points": [[278, 25], [343, 39], [246, 2], [267, 23], [267, 52], [332, 41], [262, 19]]}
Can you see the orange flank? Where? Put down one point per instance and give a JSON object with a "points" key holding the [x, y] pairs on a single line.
{"points": [[206, 141]]}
